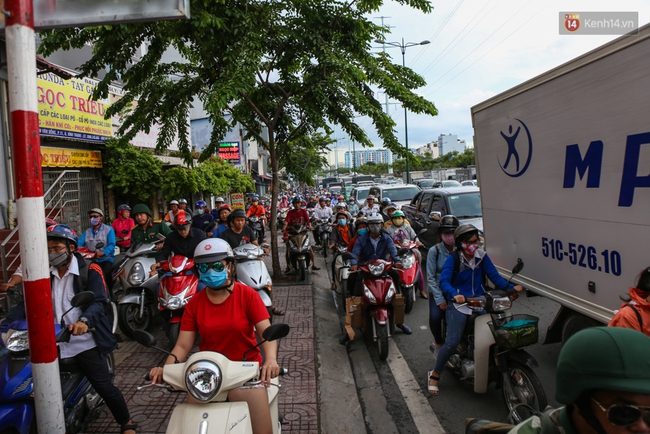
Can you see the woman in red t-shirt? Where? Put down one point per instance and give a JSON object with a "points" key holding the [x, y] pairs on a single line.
{"points": [[297, 216], [226, 315]]}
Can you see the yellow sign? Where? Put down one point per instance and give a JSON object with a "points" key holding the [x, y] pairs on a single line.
{"points": [[59, 157], [65, 110], [237, 200]]}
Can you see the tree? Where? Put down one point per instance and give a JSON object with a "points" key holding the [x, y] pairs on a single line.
{"points": [[136, 172], [307, 157], [283, 69]]}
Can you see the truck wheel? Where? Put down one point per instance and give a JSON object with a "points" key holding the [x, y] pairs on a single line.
{"points": [[576, 322]]}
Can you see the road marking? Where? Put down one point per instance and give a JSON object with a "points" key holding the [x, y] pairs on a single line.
{"points": [[424, 418]]}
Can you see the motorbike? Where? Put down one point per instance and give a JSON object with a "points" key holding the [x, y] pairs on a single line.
{"points": [[491, 351], [377, 303], [299, 254], [252, 271], [178, 284], [341, 270], [409, 274], [208, 376], [81, 404], [282, 217], [139, 287], [324, 229], [257, 225]]}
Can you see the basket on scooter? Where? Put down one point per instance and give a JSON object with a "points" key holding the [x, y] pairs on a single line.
{"points": [[516, 331]]}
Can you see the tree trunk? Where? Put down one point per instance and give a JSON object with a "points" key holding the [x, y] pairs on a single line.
{"points": [[275, 256]]}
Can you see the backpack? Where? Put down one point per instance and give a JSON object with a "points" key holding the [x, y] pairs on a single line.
{"points": [[638, 315], [483, 426]]}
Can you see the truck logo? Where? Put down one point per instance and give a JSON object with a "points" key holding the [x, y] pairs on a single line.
{"points": [[512, 159]]}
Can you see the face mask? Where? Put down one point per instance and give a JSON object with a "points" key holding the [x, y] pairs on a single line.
{"points": [[363, 231], [374, 228], [200, 212], [469, 248], [94, 221], [214, 279], [448, 239], [343, 222], [398, 221], [58, 259]]}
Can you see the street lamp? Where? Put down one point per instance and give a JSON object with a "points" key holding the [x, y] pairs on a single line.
{"points": [[403, 46]]}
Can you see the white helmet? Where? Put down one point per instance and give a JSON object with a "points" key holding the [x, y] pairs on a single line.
{"points": [[374, 217], [342, 205], [212, 250]]}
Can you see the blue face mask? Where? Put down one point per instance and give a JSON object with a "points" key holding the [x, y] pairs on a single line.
{"points": [[343, 222], [200, 212], [214, 279], [94, 221], [362, 232]]}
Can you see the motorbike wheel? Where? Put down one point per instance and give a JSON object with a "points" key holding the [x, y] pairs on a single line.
{"points": [[382, 340], [302, 272], [521, 386], [344, 289], [324, 243], [172, 336], [129, 321], [409, 298]]}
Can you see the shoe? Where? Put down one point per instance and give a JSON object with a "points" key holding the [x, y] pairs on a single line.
{"points": [[434, 390], [405, 329], [435, 350], [287, 270], [344, 339], [315, 268], [423, 295]]}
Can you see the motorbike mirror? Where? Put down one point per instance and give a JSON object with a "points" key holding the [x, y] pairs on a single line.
{"points": [[422, 231], [276, 331], [161, 237], [517, 268], [402, 251], [147, 340]]}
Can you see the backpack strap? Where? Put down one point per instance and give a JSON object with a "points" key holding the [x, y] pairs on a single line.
{"points": [[638, 314], [454, 254]]}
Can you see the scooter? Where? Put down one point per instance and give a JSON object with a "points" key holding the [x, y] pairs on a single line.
{"points": [[299, 254], [252, 271], [409, 274], [491, 351], [341, 270], [81, 404], [282, 216], [139, 287], [208, 376], [178, 284], [378, 303], [257, 225], [324, 229]]}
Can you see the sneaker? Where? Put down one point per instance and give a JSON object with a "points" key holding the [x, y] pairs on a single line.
{"points": [[315, 268]]}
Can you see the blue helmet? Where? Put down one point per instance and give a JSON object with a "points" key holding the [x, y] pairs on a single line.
{"points": [[62, 232], [200, 204]]}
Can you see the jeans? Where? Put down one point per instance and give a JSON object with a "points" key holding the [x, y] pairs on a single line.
{"points": [[456, 322], [94, 367], [435, 320]]}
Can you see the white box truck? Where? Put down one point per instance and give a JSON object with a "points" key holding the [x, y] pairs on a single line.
{"points": [[563, 162]]}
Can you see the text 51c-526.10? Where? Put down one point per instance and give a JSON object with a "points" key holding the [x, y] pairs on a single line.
{"points": [[608, 261]]}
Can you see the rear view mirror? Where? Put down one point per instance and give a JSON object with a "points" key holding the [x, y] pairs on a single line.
{"points": [[517, 268], [99, 245], [82, 299], [435, 215], [276, 331], [145, 339]]}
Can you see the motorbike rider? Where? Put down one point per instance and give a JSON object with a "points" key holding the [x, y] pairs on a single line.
{"points": [[122, 226], [387, 211], [227, 315], [257, 210], [341, 234], [88, 349], [400, 231], [635, 312], [222, 223], [370, 206], [353, 207], [284, 203], [377, 244], [172, 213], [360, 229], [218, 202], [203, 220], [473, 264], [435, 261], [146, 230], [603, 380], [182, 241], [312, 202], [297, 216], [321, 211], [98, 232], [182, 205], [238, 233]]}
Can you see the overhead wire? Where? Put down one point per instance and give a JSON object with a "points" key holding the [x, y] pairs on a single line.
{"points": [[435, 35]]}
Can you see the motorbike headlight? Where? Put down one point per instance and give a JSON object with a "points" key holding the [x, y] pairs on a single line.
{"points": [[408, 260], [368, 294], [175, 302], [137, 274], [293, 246], [376, 270], [17, 340], [305, 244], [203, 380], [501, 303]]}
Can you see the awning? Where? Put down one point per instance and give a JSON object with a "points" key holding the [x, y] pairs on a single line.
{"points": [[44, 67]]}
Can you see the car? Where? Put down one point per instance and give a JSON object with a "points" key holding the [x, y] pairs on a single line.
{"points": [[469, 183], [424, 183], [399, 194], [447, 184], [359, 194]]}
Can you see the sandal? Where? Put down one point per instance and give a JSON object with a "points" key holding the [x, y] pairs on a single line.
{"points": [[277, 311], [423, 295], [131, 426], [434, 390]]}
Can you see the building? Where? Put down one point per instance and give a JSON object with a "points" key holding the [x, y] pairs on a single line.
{"points": [[359, 158], [431, 147], [449, 142]]}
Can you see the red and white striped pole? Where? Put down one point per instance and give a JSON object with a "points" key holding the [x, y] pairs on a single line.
{"points": [[23, 105]]}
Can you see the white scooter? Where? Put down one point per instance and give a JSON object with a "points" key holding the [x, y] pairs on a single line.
{"points": [[342, 269], [252, 271], [208, 377]]}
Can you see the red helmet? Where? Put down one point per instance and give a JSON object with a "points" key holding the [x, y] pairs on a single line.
{"points": [[182, 219], [225, 206]]}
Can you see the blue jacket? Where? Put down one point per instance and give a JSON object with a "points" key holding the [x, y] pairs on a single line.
{"points": [[469, 282], [219, 229], [104, 234], [436, 259], [365, 252]]}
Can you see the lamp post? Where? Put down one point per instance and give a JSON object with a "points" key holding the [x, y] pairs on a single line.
{"points": [[403, 46]]}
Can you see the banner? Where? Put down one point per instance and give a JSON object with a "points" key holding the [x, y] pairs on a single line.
{"points": [[65, 110], [59, 157], [237, 201], [229, 151]]}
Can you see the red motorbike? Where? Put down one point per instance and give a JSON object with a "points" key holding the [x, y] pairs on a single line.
{"points": [[378, 303], [410, 274], [178, 284]]}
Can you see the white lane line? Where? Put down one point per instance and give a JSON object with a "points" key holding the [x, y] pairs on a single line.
{"points": [[425, 419]]}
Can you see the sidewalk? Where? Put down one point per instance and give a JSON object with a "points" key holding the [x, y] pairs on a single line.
{"points": [[318, 394]]}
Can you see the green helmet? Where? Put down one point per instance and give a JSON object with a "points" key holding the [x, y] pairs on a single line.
{"points": [[397, 213], [139, 208], [603, 358]]}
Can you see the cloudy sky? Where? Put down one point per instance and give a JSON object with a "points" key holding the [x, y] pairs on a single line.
{"points": [[478, 49]]}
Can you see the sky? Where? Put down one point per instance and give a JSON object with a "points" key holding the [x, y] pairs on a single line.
{"points": [[478, 49]]}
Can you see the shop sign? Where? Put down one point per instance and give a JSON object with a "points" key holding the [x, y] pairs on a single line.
{"points": [[229, 151], [60, 157], [65, 109], [237, 201]]}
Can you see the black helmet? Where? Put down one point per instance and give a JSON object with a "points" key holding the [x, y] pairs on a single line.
{"points": [[448, 224], [296, 199], [235, 214]]}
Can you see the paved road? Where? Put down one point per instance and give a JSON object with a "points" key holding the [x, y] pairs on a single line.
{"points": [[393, 394]]}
